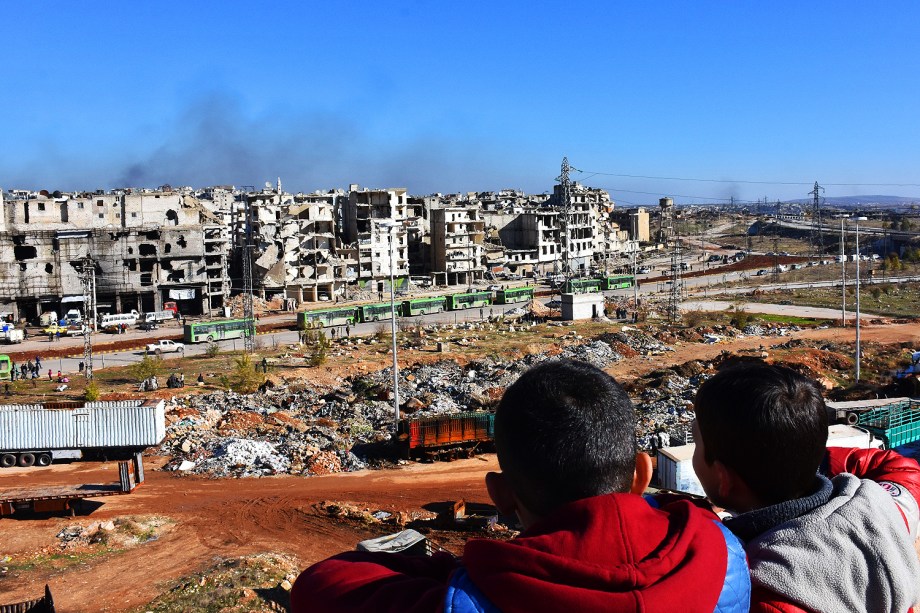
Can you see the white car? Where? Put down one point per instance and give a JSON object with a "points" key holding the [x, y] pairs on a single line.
{"points": [[165, 346]]}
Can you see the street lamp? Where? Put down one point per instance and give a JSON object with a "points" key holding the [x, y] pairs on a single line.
{"points": [[858, 353], [390, 226]]}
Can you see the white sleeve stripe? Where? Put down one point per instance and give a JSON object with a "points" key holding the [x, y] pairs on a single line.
{"points": [[906, 503]]}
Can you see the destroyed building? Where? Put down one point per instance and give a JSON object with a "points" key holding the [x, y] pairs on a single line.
{"points": [[371, 219], [148, 247], [457, 245]]}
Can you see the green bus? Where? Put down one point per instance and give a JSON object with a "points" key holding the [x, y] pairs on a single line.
{"points": [[423, 306], [218, 330], [376, 312], [468, 300], [619, 282], [581, 286], [6, 367], [341, 316], [515, 294]]}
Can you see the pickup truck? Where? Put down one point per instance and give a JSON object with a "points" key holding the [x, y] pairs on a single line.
{"points": [[165, 346], [74, 330]]}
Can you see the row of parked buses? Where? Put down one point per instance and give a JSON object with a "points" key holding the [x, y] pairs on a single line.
{"points": [[218, 330], [588, 285], [349, 315]]}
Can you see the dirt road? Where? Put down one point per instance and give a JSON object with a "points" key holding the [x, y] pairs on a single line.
{"points": [[218, 518]]}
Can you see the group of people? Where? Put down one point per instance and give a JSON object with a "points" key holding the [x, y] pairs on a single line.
{"points": [[175, 380], [27, 370], [800, 527]]}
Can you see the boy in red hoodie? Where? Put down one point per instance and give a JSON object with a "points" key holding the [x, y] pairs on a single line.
{"points": [[824, 529], [570, 471]]}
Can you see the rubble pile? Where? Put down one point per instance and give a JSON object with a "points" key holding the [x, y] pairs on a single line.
{"points": [[259, 305], [294, 427]]}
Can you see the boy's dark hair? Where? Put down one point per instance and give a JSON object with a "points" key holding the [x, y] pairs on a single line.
{"points": [[767, 423], [565, 431]]}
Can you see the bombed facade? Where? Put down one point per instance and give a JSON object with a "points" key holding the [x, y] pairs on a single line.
{"points": [[185, 245], [147, 248]]}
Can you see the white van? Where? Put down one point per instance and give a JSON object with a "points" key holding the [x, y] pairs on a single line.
{"points": [[111, 322], [73, 316]]}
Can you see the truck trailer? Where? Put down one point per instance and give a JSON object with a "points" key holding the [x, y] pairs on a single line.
{"points": [[38, 434]]}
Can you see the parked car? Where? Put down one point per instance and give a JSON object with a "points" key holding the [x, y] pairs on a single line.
{"points": [[165, 346], [494, 288], [555, 303], [761, 272], [644, 270], [148, 325]]}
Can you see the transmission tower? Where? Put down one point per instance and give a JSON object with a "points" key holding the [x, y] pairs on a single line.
{"points": [[817, 230], [248, 314], [675, 296], [88, 275], [565, 211]]}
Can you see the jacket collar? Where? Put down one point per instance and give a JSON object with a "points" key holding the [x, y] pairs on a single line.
{"points": [[749, 525]]}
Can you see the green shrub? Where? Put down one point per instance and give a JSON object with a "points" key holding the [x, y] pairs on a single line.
{"points": [[245, 377], [150, 366], [91, 393], [212, 350]]}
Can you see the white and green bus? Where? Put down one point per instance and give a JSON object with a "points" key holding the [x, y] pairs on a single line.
{"points": [[423, 306], [515, 294], [341, 316], [376, 312], [218, 330]]}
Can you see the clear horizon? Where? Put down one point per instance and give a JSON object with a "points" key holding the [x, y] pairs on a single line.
{"points": [[745, 101]]}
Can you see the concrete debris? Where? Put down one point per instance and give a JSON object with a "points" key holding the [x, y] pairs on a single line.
{"points": [[295, 427]]}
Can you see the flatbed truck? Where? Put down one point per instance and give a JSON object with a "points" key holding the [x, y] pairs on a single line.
{"points": [[66, 498]]}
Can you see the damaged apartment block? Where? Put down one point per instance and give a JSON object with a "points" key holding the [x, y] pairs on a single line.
{"points": [[150, 247]]}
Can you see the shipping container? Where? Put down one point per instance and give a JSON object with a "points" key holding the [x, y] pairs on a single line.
{"points": [[675, 470], [82, 425]]}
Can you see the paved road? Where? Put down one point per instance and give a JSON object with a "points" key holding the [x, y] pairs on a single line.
{"points": [[774, 309], [269, 339]]}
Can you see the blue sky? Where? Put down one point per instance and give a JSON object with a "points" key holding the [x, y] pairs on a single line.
{"points": [[450, 97]]}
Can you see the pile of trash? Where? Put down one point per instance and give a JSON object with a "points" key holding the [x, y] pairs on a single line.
{"points": [[297, 428]]}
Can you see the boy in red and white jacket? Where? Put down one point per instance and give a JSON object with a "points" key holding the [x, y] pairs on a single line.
{"points": [[824, 529]]}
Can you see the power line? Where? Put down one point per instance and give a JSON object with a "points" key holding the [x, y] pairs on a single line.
{"points": [[741, 181]]}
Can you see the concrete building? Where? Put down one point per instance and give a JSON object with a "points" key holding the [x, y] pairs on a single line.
{"points": [[639, 228], [457, 248], [366, 217], [149, 248]]}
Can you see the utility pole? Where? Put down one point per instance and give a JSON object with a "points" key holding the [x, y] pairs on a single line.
{"points": [[776, 258], [675, 296], [843, 275], [858, 350], [248, 313], [89, 306], [817, 230], [565, 209]]}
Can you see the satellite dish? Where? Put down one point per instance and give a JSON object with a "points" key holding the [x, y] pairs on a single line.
{"points": [[268, 185]]}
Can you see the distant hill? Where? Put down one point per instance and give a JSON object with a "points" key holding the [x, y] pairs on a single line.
{"points": [[852, 201]]}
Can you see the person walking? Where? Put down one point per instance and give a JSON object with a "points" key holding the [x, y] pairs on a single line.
{"points": [[38, 362], [50, 378]]}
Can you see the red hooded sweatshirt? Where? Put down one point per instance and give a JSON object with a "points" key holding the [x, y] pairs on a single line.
{"points": [[612, 552]]}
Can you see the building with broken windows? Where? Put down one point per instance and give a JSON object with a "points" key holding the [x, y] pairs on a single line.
{"points": [[148, 248], [371, 218], [457, 250]]}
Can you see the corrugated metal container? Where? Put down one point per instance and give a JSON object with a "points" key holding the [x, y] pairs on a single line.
{"points": [[840, 435], [675, 470], [124, 423]]}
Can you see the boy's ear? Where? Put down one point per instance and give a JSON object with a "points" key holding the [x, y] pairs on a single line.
{"points": [[501, 493], [643, 473]]}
